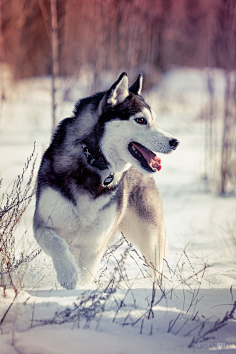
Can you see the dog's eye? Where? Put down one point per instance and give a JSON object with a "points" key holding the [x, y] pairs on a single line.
{"points": [[141, 121]]}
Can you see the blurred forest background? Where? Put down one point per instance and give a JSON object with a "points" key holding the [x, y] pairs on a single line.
{"points": [[115, 34], [59, 37]]}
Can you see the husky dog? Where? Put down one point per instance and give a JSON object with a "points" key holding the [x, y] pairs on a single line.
{"points": [[94, 181]]}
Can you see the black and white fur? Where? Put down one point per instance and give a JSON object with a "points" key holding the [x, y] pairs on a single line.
{"points": [[81, 205]]}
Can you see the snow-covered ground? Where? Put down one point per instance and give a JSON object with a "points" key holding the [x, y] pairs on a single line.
{"points": [[199, 227]]}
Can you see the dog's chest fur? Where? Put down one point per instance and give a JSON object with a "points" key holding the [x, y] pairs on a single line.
{"points": [[87, 215]]}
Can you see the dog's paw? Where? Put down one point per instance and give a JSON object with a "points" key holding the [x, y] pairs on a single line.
{"points": [[67, 275], [69, 285]]}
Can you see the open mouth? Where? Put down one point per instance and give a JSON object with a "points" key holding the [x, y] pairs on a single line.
{"points": [[149, 161]]}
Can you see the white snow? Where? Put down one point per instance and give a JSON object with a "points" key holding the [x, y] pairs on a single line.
{"points": [[199, 225]]}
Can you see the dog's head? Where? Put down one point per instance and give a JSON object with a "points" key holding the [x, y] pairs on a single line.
{"points": [[131, 135]]}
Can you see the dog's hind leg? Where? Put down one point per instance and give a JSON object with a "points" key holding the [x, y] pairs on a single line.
{"points": [[148, 237], [143, 225], [63, 260]]}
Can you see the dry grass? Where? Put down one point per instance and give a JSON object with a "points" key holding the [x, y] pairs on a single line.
{"points": [[12, 207]]}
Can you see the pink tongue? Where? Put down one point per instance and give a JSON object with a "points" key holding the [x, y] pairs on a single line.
{"points": [[156, 162], [150, 157]]}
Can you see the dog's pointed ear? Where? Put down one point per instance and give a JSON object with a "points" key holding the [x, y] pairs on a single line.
{"points": [[118, 91], [137, 86]]}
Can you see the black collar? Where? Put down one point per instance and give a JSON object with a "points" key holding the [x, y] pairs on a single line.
{"points": [[95, 163], [92, 161]]}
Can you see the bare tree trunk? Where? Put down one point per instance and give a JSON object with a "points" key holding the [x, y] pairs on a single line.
{"points": [[228, 121], [1, 91], [225, 152], [210, 122], [99, 8], [55, 61]]}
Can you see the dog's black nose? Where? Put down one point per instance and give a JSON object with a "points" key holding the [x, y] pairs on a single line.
{"points": [[174, 143]]}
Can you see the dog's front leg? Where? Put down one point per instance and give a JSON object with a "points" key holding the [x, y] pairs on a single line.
{"points": [[63, 260], [89, 261]]}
